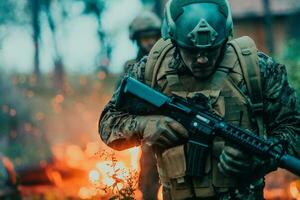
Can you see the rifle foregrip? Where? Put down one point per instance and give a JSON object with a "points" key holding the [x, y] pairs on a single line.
{"points": [[290, 163]]}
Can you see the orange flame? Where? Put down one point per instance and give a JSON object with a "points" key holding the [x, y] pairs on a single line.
{"points": [[109, 173], [55, 177], [295, 189]]}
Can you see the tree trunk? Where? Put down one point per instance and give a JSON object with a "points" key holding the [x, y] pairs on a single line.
{"points": [[268, 26], [36, 36], [158, 8], [59, 72]]}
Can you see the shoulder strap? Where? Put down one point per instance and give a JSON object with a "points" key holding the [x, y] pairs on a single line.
{"points": [[246, 51], [155, 58]]}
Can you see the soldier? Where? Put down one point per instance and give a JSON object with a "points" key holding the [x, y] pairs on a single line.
{"points": [[145, 31], [197, 55], [8, 180]]}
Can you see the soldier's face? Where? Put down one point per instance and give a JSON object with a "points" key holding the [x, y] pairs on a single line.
{"points": [[146, 42], [201, 63]]}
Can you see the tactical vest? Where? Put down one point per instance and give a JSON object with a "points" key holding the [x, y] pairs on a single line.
{"points": [[227, 101]]}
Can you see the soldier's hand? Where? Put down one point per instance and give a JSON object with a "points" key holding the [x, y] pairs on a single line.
{"points": [[234, 162], [239, 164], [161, 132]]}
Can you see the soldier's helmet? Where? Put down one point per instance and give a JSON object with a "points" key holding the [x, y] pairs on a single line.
{"points": [[146, 22], [197, 23]]}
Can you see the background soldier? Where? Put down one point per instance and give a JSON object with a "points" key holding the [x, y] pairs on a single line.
{"points": [[8, 180], [144, 30], [244, 86]]}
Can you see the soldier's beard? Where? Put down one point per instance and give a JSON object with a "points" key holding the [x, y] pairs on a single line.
{"points": [[146, 49], [202, 71]]}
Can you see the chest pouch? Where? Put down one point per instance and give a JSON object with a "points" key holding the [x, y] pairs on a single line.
{"points": [[197, 149]]}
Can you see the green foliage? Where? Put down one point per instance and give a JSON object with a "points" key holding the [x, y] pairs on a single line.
{"points": [[13, 107], [291, 58], [27, 107], [20, 133], [18, 12], [94, 6]]}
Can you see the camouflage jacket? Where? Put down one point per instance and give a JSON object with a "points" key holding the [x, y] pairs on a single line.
{"points": [[281, 106]]}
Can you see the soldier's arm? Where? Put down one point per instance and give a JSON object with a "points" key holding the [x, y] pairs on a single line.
{"points": [[118, 129], [282, 114]]}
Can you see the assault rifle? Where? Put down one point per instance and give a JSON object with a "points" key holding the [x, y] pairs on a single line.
{"points": [[202, 125]]}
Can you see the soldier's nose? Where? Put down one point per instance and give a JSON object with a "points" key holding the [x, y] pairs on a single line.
{"points": [[202, 59]]}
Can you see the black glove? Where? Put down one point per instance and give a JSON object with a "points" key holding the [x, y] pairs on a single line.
{"points": [[239, 164]]}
